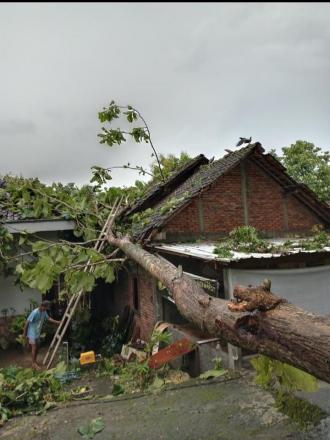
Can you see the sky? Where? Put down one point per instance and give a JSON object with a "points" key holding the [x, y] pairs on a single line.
{"points": [[201, 74]]}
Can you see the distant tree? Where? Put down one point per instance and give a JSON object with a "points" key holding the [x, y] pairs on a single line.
{"points": [[169, 164], [308, 164]]}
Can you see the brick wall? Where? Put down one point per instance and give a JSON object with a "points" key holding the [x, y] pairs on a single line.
{"points": [[300, 217], [222, 208], [265, 200], [145, 316]]}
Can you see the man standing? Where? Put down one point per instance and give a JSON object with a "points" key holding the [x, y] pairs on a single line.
{"points": [[33, 326]]}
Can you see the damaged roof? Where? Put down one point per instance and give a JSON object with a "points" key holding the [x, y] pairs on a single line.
{"points": [[179, 194], [160, 190], [205, 251], [184, 193]]}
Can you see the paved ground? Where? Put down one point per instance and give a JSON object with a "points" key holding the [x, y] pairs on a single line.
{"points": [[230, 410]]}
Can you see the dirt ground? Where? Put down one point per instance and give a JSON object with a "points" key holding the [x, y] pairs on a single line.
{"points": [[21, 357], [220, 409]]}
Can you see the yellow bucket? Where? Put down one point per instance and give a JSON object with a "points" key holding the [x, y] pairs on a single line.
{"points": [[87, 358]]}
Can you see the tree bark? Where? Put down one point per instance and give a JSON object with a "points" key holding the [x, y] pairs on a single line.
{"points": [[272, 327]]}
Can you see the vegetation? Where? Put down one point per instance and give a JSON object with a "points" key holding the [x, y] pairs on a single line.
{"points": [[88, 207], [284, 380], [246, 239], [308, 164], [105, 334], [170, 164], [88, 431], [135, 375], [23, 390]]}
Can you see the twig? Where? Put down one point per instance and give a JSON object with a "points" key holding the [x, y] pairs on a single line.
{"points": [[82, 266]]}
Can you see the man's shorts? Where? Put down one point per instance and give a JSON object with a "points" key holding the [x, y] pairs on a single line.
{"points": [[33, 341]]}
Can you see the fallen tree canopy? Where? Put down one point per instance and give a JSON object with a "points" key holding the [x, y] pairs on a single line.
{"points": [[261, 322]]}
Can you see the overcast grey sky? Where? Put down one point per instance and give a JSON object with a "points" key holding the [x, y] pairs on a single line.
{"points": [[202, 74]]}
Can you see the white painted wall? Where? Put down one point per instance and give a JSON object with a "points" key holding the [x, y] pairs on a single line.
{"points": [[308, 287], [12, 296]]}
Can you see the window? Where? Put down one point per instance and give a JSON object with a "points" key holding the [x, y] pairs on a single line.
{"points": [[136, 302]]}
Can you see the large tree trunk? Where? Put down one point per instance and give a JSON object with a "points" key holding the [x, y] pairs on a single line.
{"points": [[271, 326]]}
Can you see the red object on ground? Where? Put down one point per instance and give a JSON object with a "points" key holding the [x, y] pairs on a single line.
{"points": [[173, 351]]}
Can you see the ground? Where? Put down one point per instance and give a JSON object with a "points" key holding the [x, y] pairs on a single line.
{"points": [[220, 409], [195, 410], [20, 357]]}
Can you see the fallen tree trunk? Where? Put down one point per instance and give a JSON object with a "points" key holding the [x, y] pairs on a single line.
{"points": [[261, 322]]}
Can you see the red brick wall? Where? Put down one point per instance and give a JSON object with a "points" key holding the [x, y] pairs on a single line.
{"points": [[222, 204], [265, 200], [186, 220], [300, 217], [223, 207], [145, 316]]}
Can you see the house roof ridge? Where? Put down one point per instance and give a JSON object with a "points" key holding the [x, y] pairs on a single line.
{"points": [[205, 176], [196, 183], [159, 189]]}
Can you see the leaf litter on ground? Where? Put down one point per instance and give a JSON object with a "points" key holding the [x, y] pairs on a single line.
{"points": [[89, 431]]}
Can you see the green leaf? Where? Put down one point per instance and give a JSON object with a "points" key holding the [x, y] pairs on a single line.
{"points": [[212, 373], [117, 389], [39, 246], [89, 431], [81, 281], [23, 238]]}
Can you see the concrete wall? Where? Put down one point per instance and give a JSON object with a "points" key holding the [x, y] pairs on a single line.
{"points": [[307, 287], [12, 296]]}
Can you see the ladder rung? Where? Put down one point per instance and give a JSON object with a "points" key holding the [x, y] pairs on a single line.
{"points": [[76, 298]]}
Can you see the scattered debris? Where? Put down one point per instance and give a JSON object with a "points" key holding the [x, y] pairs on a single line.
{"points": [[217, 371], [89, 431], [176, 376], [82, 393], [23, 390], [171, 352], [117, 389], [129, 353]]}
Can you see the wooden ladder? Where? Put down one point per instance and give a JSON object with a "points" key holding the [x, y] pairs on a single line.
{"points": [[75, 299]]}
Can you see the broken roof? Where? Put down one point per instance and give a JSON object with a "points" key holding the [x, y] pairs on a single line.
{"points": [[179, 194], [196, 183], [205, 251], [156, 192]]}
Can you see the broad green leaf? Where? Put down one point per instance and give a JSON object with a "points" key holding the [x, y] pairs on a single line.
{"points": [[212, 373], [89, 431]]}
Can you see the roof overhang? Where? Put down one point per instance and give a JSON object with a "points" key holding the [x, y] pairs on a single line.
{"points": [[31, 226], [205, 251]]}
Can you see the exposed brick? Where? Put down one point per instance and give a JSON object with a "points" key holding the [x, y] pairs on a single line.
{"points": [[269, 210], [223, 207]]}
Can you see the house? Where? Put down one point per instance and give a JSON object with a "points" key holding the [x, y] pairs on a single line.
{"points": [[14, 301], [182, 219]]}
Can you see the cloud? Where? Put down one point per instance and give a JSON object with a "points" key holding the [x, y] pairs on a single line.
{"points": [[17, 127], [202, 74]]}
